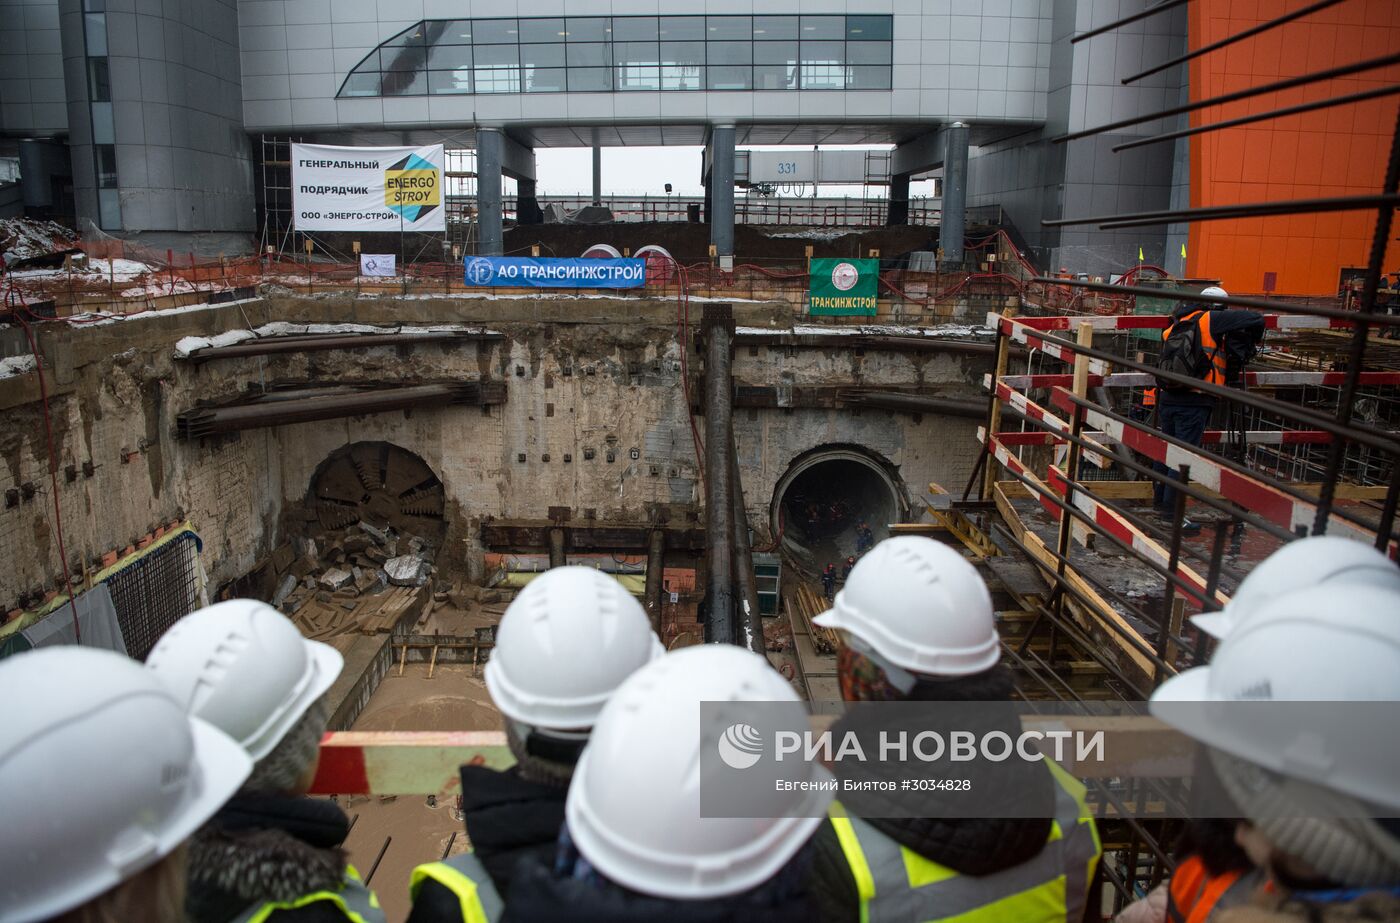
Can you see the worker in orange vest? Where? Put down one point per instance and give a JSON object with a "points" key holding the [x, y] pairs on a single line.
{"points": [[1213, 873], [1206, 342]]}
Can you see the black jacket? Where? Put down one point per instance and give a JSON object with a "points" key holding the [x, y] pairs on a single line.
{"points": [[508, 819], [1239, 333], [261, 848], [538, 895]]}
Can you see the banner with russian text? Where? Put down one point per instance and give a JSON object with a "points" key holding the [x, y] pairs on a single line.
{"points": [[367, 188], [546, 272], [839, 286]]}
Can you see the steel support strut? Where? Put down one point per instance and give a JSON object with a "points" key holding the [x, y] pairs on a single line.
{"points": [[719, 434]]}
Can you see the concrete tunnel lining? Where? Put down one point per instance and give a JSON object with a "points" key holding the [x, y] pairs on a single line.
{"points": [[863, 472]]}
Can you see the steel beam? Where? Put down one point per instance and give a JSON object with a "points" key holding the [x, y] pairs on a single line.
{"points": [[279, 409], [915, 344], [719, 433], [656, 572], [531, 536], [267, 346]]}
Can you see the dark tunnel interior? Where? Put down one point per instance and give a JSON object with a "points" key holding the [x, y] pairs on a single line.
{"points": [[824, 506]]}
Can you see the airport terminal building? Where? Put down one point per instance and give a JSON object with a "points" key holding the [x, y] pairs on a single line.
{"points": [[153, 113]]}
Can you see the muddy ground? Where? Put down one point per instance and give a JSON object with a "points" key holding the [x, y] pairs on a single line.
{"points": [[453, 700]]}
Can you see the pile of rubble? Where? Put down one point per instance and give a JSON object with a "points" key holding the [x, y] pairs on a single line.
{"points": [[358, 560]]}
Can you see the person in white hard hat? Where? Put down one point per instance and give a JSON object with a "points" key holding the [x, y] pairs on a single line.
{"points": [[563, 645], [271, 853], [1317, 781], [103, 777], [1208, 342], [1319, 560], [916, 623], [636, 846]]}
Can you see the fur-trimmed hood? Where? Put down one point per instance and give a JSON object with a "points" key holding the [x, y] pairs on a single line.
{"points": [[263, 848]]}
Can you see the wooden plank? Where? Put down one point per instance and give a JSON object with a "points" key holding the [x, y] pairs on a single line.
{"points": [[1101, 612], [1019, 577]]}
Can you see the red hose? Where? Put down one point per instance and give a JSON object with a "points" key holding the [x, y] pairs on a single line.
{"points": [[53, 461]]}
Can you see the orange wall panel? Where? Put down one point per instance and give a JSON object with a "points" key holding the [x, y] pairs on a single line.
{"points": [[1332, 152]]}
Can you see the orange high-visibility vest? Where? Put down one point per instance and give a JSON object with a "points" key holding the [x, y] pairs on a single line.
{"points": [[1216, 376], [1195, 893], [1149, 397]]}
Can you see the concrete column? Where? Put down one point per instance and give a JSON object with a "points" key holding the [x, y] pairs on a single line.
{"points": [[898, 211], [557, 557], [527, 206], [656, 568], [950, 235], [721, 190], [719, 433], [597, 175], [490, 146]]}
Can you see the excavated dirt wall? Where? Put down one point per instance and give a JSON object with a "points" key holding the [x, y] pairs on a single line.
{"points": [[594, 419]]}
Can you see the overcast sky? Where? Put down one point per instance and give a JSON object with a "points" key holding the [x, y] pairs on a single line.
{"points": [[637, 171]]}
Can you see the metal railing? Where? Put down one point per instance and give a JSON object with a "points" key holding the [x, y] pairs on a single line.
{"points": [[1316, 453]]}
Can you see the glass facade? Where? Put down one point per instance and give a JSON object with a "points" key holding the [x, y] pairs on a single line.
{"points": [[601, 54], [104, 150]]}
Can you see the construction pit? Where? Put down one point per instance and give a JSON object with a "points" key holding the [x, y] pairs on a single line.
{"points": [[390, 470]]}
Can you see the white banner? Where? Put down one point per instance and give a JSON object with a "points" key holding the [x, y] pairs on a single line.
{"points": [[377, 264], [367, 188]]}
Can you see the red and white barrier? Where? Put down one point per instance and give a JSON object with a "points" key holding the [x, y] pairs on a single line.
{"points": [[1021, 333], [1211, 437], [1251, 379], [1036, 412], [1263, 499], [1160, 322], [1104, 519], [404, 763]]}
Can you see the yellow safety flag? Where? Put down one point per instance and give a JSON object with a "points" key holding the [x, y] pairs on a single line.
{"points": [[1140, 257], [1183, 251]]}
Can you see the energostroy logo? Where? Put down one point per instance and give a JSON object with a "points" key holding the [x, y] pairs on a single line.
{"points": [[412, 187], [740, 746]]}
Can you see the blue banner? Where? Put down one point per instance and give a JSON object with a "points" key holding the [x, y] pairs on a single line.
{"points": [[546, 272]]}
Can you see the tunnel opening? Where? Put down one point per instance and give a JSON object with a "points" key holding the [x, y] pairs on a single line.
{"points": [[381, 484], [825, 496]]}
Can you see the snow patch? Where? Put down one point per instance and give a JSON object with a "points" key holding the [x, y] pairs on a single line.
{"points": [[16, 365], [186, 346], [102, 319], [941, 331], [812, 233]]}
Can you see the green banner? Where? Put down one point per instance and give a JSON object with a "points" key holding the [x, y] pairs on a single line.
{"points": [[843, 286]]}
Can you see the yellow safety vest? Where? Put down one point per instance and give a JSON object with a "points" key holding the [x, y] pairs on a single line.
{"points": [[357, 902], [897, 884], [465, 876]]}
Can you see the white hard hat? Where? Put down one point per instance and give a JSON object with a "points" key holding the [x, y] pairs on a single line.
{"points": [[919, 604], [102, 774], [634, 804], [564, 644], [1215, 291], [1326, 644], [1298, 565], [245, 668]]}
